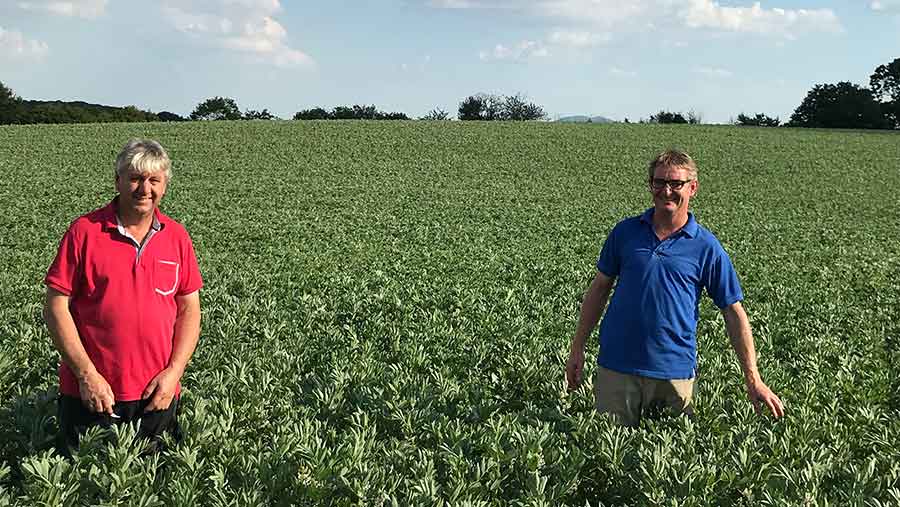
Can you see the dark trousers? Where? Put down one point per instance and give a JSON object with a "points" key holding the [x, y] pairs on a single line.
{"points": [[75, 419]]}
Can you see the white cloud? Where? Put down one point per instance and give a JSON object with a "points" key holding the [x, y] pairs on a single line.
{"points": [[755, 19], [75, 8], [641, 15], [14, 45], [247, 26], [524, 50], [616, 71], [531, 49], [713, 72], [884, 5], [480, 4], [606, 13], [578, 39]]}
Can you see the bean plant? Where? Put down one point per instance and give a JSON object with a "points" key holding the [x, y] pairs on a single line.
{"points": [[387, 312]]}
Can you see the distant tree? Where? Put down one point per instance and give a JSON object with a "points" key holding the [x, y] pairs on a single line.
{"points": [[167, 116], [471, 108], [483, 107], [217, 108], [436, 114], [885, 84], [354, 112], [132, 114], [364, 112], [842, 105], [517, 108], [7, 95], [37, 111], [694, 118], [252, 114], [10, 105], [316, 113], [494, 107], [760, 120], [668, 117], [343, 113], [391, 116], [488, 107]]}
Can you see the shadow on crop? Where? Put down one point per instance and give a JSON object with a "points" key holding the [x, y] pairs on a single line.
{"points": [[892, 353], [27, 426]]}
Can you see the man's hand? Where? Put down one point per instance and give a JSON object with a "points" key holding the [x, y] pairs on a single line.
{"points": [[738, 327], [575, 368], [760, 395], [96, 394], [162, 389], [591, 308]]}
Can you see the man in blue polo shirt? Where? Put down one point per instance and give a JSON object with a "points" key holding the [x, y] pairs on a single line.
{"points": [[660, 262]]}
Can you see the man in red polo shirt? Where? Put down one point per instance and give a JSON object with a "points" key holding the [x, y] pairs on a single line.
{"points": [[123, 305]]}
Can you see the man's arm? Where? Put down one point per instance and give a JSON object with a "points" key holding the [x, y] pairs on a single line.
{"points": [[186, 334], [591, 309], [738, 327], [95, 392]]}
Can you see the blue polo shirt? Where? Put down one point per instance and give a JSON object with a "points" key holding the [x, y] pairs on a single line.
{"points": [[650, 325]]}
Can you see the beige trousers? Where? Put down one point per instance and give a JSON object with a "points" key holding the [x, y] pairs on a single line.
{"points": [[629, 397]]}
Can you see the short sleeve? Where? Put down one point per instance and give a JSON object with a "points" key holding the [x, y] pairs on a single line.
{"points": [[64, 270], [609, 262], [721, 280], [190, 280]]}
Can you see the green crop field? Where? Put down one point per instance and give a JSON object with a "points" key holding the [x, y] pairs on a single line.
{"points": [[388, 309]]}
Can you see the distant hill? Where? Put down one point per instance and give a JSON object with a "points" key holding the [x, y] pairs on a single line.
{"points": [[585, 119], [56, 111]]}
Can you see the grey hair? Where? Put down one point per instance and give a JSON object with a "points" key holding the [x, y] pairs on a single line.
{"points": [[144, 155]]}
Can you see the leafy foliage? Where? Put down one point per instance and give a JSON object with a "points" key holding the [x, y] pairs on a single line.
{"points": [[15, 110], [487, 107], [668, 117], [388, 309], [217, 108], [316, 113], [760, 120], [252, 114], [517, 108], [842, 105], [9, 105], [355, 112], [885, 84], [436, 114], [169, 116]]}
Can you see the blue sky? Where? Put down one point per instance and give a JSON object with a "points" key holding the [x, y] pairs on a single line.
{"points": [[616, 58]]}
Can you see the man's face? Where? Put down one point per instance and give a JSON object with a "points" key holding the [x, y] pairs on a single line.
{"points": [[667, 199], [139, 194]]}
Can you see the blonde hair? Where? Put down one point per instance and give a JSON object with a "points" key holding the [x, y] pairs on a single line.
{"points": [[144, 155], [674, 158]]}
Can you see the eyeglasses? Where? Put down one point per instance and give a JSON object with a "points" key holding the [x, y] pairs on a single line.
{"points": [[659, 183]]}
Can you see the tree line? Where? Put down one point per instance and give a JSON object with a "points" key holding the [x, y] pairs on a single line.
{"points": [[841, 105], [845, 105]]}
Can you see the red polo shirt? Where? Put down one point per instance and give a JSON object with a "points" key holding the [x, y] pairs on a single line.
{"points": [[122, 296]]}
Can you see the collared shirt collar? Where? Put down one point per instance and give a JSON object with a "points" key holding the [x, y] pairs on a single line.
{"points": [[156, 225], [690, 229], [111, 216]]}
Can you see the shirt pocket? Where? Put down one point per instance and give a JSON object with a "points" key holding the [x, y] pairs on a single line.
{"points": [[165, 277]]}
